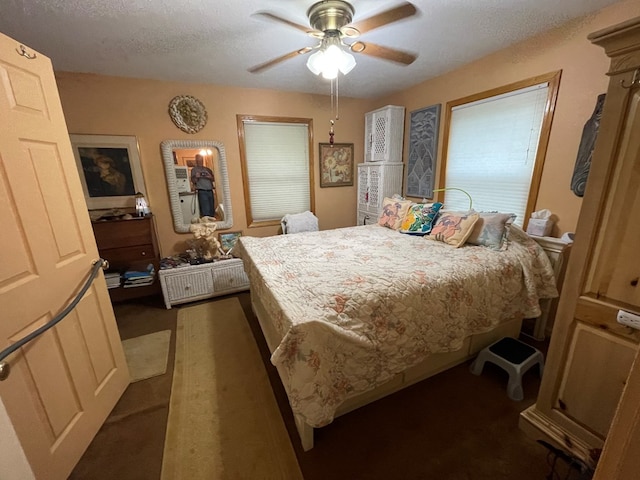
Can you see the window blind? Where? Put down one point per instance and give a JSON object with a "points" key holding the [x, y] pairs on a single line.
{"points": [[493, 144], [277, 159]]}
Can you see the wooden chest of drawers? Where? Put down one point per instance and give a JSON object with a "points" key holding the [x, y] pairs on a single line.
{"points": [[129, 244]]}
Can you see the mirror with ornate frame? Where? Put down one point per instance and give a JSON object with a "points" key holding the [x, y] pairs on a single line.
{"points": [[179, 158]]}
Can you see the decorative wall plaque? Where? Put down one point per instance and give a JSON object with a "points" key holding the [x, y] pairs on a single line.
{"points": [[188, 113], [585, 151], [423, 150]]}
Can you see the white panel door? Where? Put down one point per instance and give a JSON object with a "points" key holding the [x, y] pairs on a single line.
{"points": [[64, 383]]}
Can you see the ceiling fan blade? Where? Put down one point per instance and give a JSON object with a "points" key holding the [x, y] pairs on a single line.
{"points": [[276, 18], [275, 61], [385, 53], [384, 18]]}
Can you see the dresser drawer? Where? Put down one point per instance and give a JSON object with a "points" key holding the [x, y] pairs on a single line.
{"points": [[188, 285], [197, 282], [229, 277], [128, 245], [124, 256], [123, 233]]}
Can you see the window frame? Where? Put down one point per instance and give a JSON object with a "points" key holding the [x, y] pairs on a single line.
{"points": [[241, 120], [553, 79]]}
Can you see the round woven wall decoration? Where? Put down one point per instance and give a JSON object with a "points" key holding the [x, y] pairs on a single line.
{"points": [[188, 113]]}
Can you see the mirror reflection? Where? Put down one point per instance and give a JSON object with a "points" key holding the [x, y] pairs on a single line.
{"points": [[198, 184]]}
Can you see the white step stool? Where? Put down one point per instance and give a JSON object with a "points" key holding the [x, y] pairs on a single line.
{"points": [[515, 357]]}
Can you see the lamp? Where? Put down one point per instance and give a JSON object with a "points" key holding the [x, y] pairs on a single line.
{"points": [[458, 189], [331, 58], [142, 209]]}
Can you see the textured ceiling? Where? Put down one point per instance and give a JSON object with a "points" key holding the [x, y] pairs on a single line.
{"points": [[216, 41]]}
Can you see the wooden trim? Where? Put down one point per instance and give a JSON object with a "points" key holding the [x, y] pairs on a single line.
{"points": [[620, 460], [553, 78], [243, 166], [537, 425], [543, 142], [241, 119]]}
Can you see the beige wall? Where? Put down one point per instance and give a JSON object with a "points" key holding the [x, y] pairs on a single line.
{"points": [[95, 104], [583, 68], [117, 106]]}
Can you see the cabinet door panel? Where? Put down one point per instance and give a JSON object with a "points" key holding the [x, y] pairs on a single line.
{"points": [[363, 187], [375, 202], [594, 376], [615, 275], [380, 137]]}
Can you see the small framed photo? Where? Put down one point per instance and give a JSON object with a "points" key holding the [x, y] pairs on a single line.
{"points": [[228, 241], [110, 170], [336, 164]]}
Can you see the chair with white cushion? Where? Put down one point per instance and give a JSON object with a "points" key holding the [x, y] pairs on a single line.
{"points": [[299, 222]]}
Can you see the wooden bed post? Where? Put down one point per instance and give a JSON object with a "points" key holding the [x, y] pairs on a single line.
{"points": [[306, 433]]}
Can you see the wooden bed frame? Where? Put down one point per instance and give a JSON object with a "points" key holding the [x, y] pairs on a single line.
{"points": [[436, 363]]}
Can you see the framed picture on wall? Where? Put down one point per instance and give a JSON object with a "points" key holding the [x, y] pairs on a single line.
{"points": [[228, 241], [336, 164], [110, 170]]}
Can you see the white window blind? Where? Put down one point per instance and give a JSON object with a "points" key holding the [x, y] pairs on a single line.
{"points": [[277, 160], [492, 151]]}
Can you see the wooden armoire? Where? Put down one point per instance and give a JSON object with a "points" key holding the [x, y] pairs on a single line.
{"points": [[590, 354]]}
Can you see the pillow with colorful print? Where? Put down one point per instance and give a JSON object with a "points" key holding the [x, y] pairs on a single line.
{"points": [[393, 212], [491, 230], [419, 218], [453, 228]]}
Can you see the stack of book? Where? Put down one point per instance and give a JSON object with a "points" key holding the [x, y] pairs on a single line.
{"points": [[134, 278], [113, 279]]}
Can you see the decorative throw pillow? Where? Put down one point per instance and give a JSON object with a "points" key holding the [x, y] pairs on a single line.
{"points": [[453, 228], [419, 218], [393, 212], [490, 230]]}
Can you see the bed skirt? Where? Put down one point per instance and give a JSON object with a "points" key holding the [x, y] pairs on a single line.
{"points": [[434, 364]]}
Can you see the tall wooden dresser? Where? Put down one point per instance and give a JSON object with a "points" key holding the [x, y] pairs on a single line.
{"points": [[590, 353], [129, 245]]}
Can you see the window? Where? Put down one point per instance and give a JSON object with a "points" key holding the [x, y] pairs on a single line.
{"points": [[495, 144], [277, 167]]}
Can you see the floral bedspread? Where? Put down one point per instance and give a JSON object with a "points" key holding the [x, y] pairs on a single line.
{"points": [[355, 306]]}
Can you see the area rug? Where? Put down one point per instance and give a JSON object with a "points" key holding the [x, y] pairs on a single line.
{"points": [[224, 421], [147, 355]]}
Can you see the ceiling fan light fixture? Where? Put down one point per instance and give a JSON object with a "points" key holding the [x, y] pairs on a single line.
{"points": [[347, 62], [330, 72], [331, 60], [315, 63]]}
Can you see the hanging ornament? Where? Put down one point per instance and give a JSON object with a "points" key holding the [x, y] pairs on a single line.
{"points": [[331, 133]]}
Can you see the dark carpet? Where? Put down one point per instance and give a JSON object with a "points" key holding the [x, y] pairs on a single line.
{"points": [[453, 426]]}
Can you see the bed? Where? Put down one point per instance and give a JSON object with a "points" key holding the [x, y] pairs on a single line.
{"points": [[353, 314]]}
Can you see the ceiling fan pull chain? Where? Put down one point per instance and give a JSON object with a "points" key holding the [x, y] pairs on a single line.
{"points": [[337, 115], [331, 122], [337, 98]]}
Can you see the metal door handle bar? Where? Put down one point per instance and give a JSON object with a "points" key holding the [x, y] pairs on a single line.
{"points": [[4, 366]]}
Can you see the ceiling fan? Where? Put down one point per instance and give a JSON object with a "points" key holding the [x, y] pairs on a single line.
{"points": [[330, 22]]}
